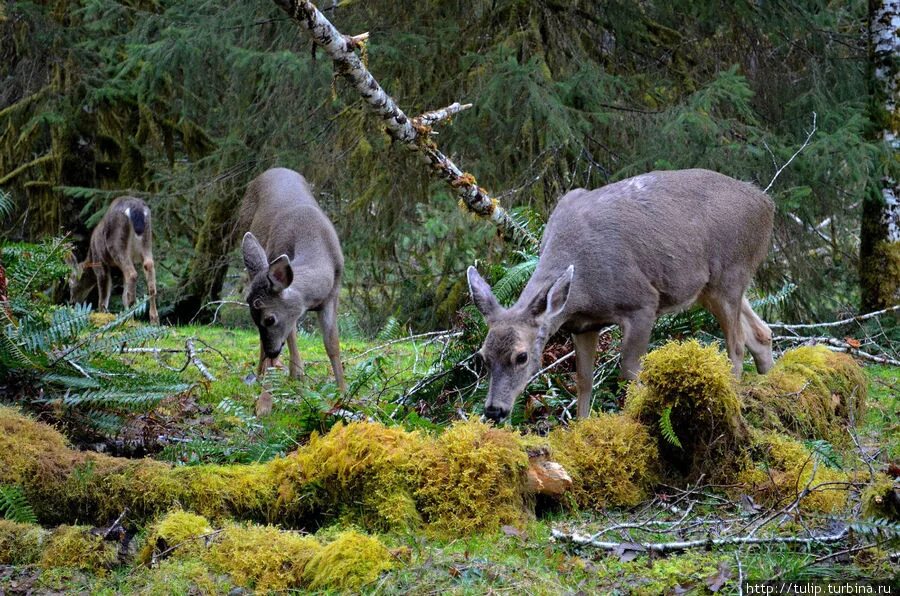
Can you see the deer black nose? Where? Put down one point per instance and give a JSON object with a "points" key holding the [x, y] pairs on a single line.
{"points": [[494, 413]]}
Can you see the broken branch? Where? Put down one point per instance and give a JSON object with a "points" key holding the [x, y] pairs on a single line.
{"points": [[340, 49]]}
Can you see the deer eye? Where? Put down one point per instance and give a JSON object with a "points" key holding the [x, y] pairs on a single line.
{"points": [[269, 320], [521, 358]]}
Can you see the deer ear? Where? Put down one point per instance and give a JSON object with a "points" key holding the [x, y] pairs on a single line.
{"points": [[481, 293], [281, 274], [254, 256], [551, 303]]}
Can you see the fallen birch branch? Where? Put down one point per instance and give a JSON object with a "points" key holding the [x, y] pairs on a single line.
{"points": [[835, 323], [668, 547], [837, 345], [415, 133], [192, 354]]}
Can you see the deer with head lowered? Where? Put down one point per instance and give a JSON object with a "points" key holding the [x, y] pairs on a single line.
{"points": [[123, 238], [294, 259], [625, 254]]}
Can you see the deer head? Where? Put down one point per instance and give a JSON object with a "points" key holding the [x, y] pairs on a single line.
{"points": [[274, 304], [516, 337]]}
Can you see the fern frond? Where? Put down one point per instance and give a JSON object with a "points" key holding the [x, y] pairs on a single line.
{"points": [[14, 505], [392, 330], [509, 287], [825, 452], [666, 428], [877, 527]]}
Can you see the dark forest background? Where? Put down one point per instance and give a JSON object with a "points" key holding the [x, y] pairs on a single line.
{"points": [[182, 102]]}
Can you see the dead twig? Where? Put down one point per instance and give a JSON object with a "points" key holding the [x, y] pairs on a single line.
{"points": [[796, 153], [834, 323], [192, 354]]}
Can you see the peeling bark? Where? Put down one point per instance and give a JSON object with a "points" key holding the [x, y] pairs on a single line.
{"points": [[415, 132], [880, 227]]}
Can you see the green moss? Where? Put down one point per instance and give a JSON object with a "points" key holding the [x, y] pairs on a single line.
{"points": [[176, 576], [811, 393], [262, 557], [350, 561], [472, 479], [21, 544], [690, 387], [784, 469], [78, 548], [611, 458], [178, 529], [644, 576], [881, 499]]}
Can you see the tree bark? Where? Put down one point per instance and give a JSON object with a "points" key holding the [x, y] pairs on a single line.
{"points": [[880, 227], [414, 133], [205, 274]]}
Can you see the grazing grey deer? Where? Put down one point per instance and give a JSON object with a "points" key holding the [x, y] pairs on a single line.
{"points": [[122, 238], [294, 259], [626, 254]]}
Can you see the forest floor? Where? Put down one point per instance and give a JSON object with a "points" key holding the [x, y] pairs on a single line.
{"points": [[214, 423]]}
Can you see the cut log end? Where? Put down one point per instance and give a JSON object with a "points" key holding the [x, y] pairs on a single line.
{"points": [[547, 477]]}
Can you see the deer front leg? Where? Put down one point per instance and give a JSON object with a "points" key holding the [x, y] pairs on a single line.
{"points": [[295, 368], [727, 311], [328, 325], [585, 350], [150, 276], [129, 273], [635, 339], [104, 287]]}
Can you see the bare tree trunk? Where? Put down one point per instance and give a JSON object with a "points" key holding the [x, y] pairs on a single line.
{"points": [[880, 228], [415, 132]]}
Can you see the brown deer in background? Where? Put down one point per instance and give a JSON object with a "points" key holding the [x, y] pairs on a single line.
{"points": [[294, 259], [625, 254], [122, 238]]}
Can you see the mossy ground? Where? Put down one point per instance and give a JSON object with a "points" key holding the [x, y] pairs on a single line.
{"points": [[520, 557]]}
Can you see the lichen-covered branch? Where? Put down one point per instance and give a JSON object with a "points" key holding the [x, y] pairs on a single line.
{"points": [[411, 132]]}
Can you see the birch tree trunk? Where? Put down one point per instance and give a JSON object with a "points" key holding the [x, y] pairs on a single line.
{"points": [[880, 228], [413, 132]]}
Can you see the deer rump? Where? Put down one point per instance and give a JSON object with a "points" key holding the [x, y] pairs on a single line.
{"points": [[625, 254]]}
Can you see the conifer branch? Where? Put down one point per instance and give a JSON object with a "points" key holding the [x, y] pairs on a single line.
{"points": [[341, 49]]}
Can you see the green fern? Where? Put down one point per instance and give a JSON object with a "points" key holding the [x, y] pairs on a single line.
{"points": [[884, 528], [666, 428], [14, 505], [825, 453], [392, 330]]}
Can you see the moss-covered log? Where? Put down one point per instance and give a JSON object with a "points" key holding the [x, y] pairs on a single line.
{"points": [[683, 419]]}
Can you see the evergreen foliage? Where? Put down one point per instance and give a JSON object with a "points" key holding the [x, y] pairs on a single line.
{"points": [[183, 102]]}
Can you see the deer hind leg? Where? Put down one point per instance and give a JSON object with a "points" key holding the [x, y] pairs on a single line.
{"points": [[727, 311], [150, 276], [758, 338], [636, 329], [585, 350], [328, 324], [295, 368]]}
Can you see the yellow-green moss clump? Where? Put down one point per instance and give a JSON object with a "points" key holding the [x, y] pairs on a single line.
{"points": [[350, 561], [811, 393], [176, 530], [21, 544], [266, 558], [78, 548], [687, 389], [263, 557], [363, 472], [611, 458], [784, 470], [472, 479]]}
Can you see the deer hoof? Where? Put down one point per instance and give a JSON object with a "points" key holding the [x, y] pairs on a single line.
{"points": [[263, 404]]}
